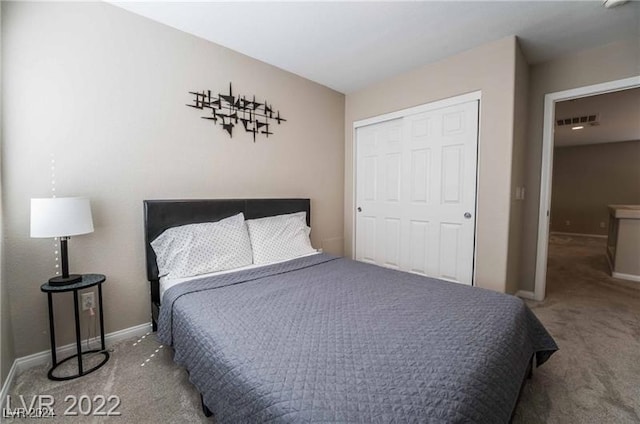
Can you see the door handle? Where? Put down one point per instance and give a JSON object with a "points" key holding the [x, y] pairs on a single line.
{"points": [[467, 215]]}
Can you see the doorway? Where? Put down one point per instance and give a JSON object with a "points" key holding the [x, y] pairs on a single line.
{"points": [[550, 124]]}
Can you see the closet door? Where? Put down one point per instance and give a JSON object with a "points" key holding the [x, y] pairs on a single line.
{"points": [[379, 193], [416, 192]]}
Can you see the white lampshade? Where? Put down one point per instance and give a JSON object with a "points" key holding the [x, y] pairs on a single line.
{"points": [[60, 217]]}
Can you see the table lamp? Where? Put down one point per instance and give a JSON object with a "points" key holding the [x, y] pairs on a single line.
{"points": [[61, 217]]}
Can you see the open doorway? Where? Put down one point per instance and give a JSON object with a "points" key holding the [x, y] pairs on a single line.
{"points": [[552, 101], [596, 163]]}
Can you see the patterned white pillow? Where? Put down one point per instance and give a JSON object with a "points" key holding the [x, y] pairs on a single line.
{"points": [[196, 249], [278, 238]]}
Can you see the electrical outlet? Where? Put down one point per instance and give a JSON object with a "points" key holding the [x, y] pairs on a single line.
{"points": [[88, 301]]}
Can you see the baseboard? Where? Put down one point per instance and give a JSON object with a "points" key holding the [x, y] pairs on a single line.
{"points": [[8, 382], [525, 294], [559, 233], [44, 357], [629, 277]]}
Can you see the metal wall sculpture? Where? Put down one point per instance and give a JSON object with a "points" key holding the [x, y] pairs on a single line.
{"points": [[256, 117]]}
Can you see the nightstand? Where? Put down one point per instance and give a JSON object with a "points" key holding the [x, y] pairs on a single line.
{"points": [[88, 280]]}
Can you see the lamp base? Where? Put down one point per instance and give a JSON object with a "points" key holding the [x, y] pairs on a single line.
{"points": [[65, 281]]}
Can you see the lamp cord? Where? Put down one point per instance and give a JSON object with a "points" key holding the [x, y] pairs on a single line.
{"points": [[89, 333]]}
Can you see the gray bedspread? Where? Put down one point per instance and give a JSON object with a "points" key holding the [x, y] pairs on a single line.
{"points": [[325, 339]]}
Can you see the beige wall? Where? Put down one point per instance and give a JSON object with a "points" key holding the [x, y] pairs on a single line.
{"points": [[6, 336], [516, 215], [588, 178], [104, 91], [491, 69], [607, 63]]}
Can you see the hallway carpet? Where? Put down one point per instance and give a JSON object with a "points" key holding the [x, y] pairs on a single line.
{"points": [[593, 378]]}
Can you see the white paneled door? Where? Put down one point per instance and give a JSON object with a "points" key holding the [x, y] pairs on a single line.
{"points": [[416, 192]]}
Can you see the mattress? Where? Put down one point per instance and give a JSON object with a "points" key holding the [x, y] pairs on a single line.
{"points": [[166, 282]]}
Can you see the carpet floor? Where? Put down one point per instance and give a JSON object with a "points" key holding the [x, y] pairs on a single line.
{"points": [[593, 378], [595, 320]]}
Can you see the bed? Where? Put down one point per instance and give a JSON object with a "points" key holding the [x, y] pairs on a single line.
{"points": [[321, 338]]}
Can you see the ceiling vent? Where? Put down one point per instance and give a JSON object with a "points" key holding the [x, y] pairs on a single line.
{"points": [[579, 120]]}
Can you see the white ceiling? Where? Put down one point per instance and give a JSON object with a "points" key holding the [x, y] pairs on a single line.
{"points": [[349, 45], [619, 118]]}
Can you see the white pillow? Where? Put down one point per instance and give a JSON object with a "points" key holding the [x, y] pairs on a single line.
{"points": [[196, 249], [278, 238]]}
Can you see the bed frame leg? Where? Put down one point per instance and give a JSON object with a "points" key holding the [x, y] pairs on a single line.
{"points": [[206, 411]]}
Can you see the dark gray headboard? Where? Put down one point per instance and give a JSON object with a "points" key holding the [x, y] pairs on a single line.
{"points": [[160, 215]]}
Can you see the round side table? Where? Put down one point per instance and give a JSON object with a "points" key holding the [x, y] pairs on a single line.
{"points": [[88, 280]]}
